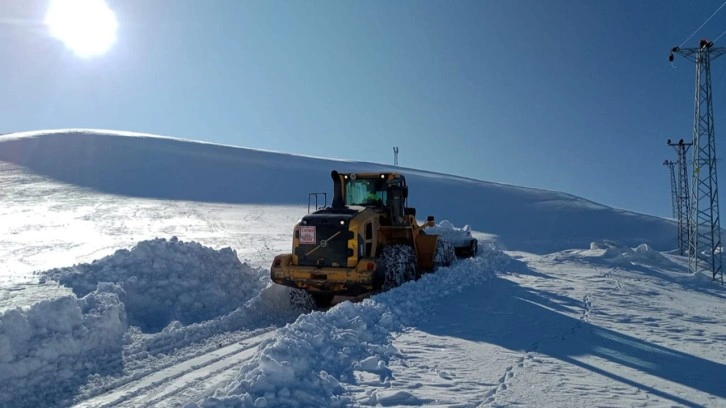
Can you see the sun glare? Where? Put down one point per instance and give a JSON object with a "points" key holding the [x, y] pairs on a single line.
{"points": [[88, 27]]}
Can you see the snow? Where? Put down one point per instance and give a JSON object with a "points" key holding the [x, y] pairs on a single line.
{"points": [[172, 169], [56, 343], [457, 236], [162, 281], [160, 286], [308, 362], [134, 271]]}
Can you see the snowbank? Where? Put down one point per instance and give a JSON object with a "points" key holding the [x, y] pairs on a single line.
{"points": [[48, 351], [312, 361], [51, 350], [614, 253], [270, 307], [162, 281]]}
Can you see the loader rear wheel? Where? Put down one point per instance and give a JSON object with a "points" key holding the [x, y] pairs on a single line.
{"points": [[399, 265], [468, 251], [473, 248]]}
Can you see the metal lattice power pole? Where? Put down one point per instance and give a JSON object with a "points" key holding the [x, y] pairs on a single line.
{"points": [[704, 249], [683, 196], [674, 189], [395, 155]]}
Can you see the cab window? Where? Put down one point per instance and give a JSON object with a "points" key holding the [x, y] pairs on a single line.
{"points": [[365, 192]]}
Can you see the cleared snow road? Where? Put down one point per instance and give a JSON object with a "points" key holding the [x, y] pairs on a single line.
{"points": [[181, 382]]}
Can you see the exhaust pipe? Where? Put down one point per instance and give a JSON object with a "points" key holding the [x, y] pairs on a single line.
{"points": [[338, 201]]}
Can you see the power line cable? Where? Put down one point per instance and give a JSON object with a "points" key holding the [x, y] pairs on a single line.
{"points": [[720, 36], [704, 23]]}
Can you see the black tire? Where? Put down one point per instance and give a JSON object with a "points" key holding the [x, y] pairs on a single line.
{"points": [[468, 251], [399, 265], [444, 253], [301, 300], [473, 248], [322, 300]]}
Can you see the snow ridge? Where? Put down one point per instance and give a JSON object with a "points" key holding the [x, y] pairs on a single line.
{"points": [[163, 281]]}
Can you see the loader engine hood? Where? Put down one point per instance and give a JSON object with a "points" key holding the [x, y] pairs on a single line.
{"points": [[323, 239]]}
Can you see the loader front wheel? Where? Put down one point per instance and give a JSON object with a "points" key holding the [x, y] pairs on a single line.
{"points": [[399, 265], [301, 300]]}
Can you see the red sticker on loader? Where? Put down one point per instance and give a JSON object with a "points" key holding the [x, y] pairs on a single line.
{"points": [[307, 234]]}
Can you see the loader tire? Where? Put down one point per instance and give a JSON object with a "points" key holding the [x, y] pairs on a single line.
{"points": [[399, 265], [444, 254], [301, 300], [473, 248]]}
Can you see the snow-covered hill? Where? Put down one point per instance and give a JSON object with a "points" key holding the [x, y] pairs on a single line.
{"points": [[173, 169], [133, 272]]}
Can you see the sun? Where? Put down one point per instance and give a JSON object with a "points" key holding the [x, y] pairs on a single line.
{"points": [[88, 27]]}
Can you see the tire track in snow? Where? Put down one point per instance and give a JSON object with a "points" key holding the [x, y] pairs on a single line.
{"points": [[183, 381]]}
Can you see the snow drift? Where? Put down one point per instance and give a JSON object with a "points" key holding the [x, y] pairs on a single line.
{"points": [[161, 281], [615, 253], [190, 291], [48, 351]]}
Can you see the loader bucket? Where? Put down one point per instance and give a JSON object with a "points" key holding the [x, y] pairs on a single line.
{"points": [[425, 251]]}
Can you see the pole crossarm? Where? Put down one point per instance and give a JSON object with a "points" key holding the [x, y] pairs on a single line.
{"points": [[692, 54]]}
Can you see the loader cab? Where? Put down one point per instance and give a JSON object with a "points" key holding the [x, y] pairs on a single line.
{"points": [[384, 192], [365, 191]]}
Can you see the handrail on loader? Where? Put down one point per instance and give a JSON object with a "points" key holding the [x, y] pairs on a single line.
{"points": [[317, 195]]}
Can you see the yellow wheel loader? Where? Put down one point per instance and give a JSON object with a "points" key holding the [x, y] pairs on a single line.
{"points": [[368, 240]]}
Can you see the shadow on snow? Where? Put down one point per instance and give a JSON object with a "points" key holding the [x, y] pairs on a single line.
{"points": [[498, 318]]}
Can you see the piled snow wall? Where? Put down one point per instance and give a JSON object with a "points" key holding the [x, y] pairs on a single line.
{"points": [[164, 281], [48, 351]]}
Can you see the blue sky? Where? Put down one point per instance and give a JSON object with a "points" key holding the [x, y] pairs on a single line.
{"points": [[573, 96]]}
